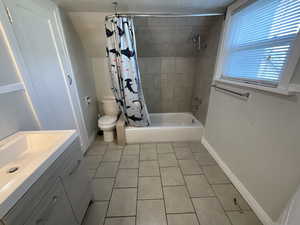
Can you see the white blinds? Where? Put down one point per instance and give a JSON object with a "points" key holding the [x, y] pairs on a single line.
{"points": [[260, 40]]}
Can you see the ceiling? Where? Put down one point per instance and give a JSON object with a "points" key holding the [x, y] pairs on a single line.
{"points": [[191, 6]]}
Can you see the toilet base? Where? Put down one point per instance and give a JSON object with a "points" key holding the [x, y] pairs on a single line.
{"points": [[108, 136]]}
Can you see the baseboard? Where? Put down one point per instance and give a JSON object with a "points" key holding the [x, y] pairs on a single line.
{"points": [[256, 207]]}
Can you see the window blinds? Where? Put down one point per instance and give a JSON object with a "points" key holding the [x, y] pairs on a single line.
{"points": [[260, 39]]}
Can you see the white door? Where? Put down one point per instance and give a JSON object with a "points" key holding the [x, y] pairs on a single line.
{"points": [[36, 31]]}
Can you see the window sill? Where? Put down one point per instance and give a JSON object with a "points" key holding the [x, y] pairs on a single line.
{"points": [[292, 90]]}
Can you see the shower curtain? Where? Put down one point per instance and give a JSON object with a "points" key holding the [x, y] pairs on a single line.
{"points": [[125, 74]]}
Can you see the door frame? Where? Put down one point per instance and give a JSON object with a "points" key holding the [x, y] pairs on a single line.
{"points": [[72, 90], [66, 69]]}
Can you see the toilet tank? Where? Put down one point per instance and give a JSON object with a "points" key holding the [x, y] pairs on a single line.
{"points": [[110, 106]]}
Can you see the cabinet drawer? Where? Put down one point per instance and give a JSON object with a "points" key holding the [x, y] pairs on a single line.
{"points": [[77, 184], [54, 209]]}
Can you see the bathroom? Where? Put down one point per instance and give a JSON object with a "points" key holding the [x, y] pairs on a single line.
{"points": [[154, 112]]}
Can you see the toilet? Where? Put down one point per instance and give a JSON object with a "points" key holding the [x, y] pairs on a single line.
{"points": [[107, 122]]}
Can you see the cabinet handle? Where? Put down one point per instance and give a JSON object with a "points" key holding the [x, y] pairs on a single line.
{"points": [[75, 168], [70, 79], [45, 216]]}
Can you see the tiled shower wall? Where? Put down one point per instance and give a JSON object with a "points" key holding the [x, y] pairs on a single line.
{"points": [[205, 65], [173, 70], [168, 83]]}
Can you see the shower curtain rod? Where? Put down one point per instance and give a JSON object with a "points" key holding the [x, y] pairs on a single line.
{"points": [[165, 15]]}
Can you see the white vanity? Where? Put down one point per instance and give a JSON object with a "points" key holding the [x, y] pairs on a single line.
{"points": [[43, 179]]}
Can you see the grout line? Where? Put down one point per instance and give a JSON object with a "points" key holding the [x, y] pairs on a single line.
{"points": [[184, 213], [101, 162], [125, 187], [149, 199], [112, 190], [186, 187], [162, 189], [216, 197], [137, 189], [109, 217]]}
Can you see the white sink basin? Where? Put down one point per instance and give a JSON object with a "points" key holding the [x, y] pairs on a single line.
{"points": [[24, 157]]}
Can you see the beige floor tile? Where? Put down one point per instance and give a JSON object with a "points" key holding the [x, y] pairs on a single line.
{"points": [[123, 202], [164, 148], [197, 147], [149, 168], [97, 149], [129, 161], [183, 153], [91, 173], [177, 200], [100, 140], [149, 154], [95, 213], [171, 176], [210, 212], [92, 161], [132, 149], [150, 188], [127, 178], [180, 144], [112, 156], [190, 167], [102, 188], [226, 193], [131, 152], [107, 169], [215, 175], [182, 219], [198, 186], [245, 218], [114, 146], [166, 160], [204, 159], [148, 146], [151, 212], [120, 221]]}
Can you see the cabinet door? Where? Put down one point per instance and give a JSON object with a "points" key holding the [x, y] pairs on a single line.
{"points": [[54, 209], [77, 184]]}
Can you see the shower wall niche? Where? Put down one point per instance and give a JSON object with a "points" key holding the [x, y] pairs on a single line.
{"points": [[168, 55]]}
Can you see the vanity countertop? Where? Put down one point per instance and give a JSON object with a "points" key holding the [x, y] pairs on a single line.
{"points": [[24, 157]]}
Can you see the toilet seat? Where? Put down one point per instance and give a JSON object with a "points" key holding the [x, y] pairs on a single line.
{"points": [[107, 120]]}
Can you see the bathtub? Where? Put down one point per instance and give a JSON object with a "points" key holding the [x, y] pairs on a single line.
{"points": [[166, 127]]}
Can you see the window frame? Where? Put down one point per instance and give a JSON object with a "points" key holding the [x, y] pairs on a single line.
{"points": [[284, 85]]}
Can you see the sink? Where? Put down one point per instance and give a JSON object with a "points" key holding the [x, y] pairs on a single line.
{"points": [[24, 157]]}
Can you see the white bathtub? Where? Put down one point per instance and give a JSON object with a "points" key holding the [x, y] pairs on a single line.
{"points": [[166, 127]]}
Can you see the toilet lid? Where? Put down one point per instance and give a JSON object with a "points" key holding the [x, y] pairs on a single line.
{"points": [[105, 120]]}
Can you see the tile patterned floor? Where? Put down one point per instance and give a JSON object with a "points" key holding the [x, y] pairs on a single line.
{"points": [[161, 184]]}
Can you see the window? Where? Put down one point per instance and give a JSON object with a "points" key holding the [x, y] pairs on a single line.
{"points": [[260, 36]]}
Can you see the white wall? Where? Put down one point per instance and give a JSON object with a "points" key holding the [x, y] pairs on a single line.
{"points": [[102, 79], [259, 141], [90, 28], [15, 111], [83, 73]]}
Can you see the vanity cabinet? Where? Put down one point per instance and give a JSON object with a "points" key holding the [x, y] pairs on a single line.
{"points": [[59, 197], [77, 184], [54, 209]]}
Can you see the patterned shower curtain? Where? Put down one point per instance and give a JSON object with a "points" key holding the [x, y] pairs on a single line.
{"points": [[125, 74]]}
